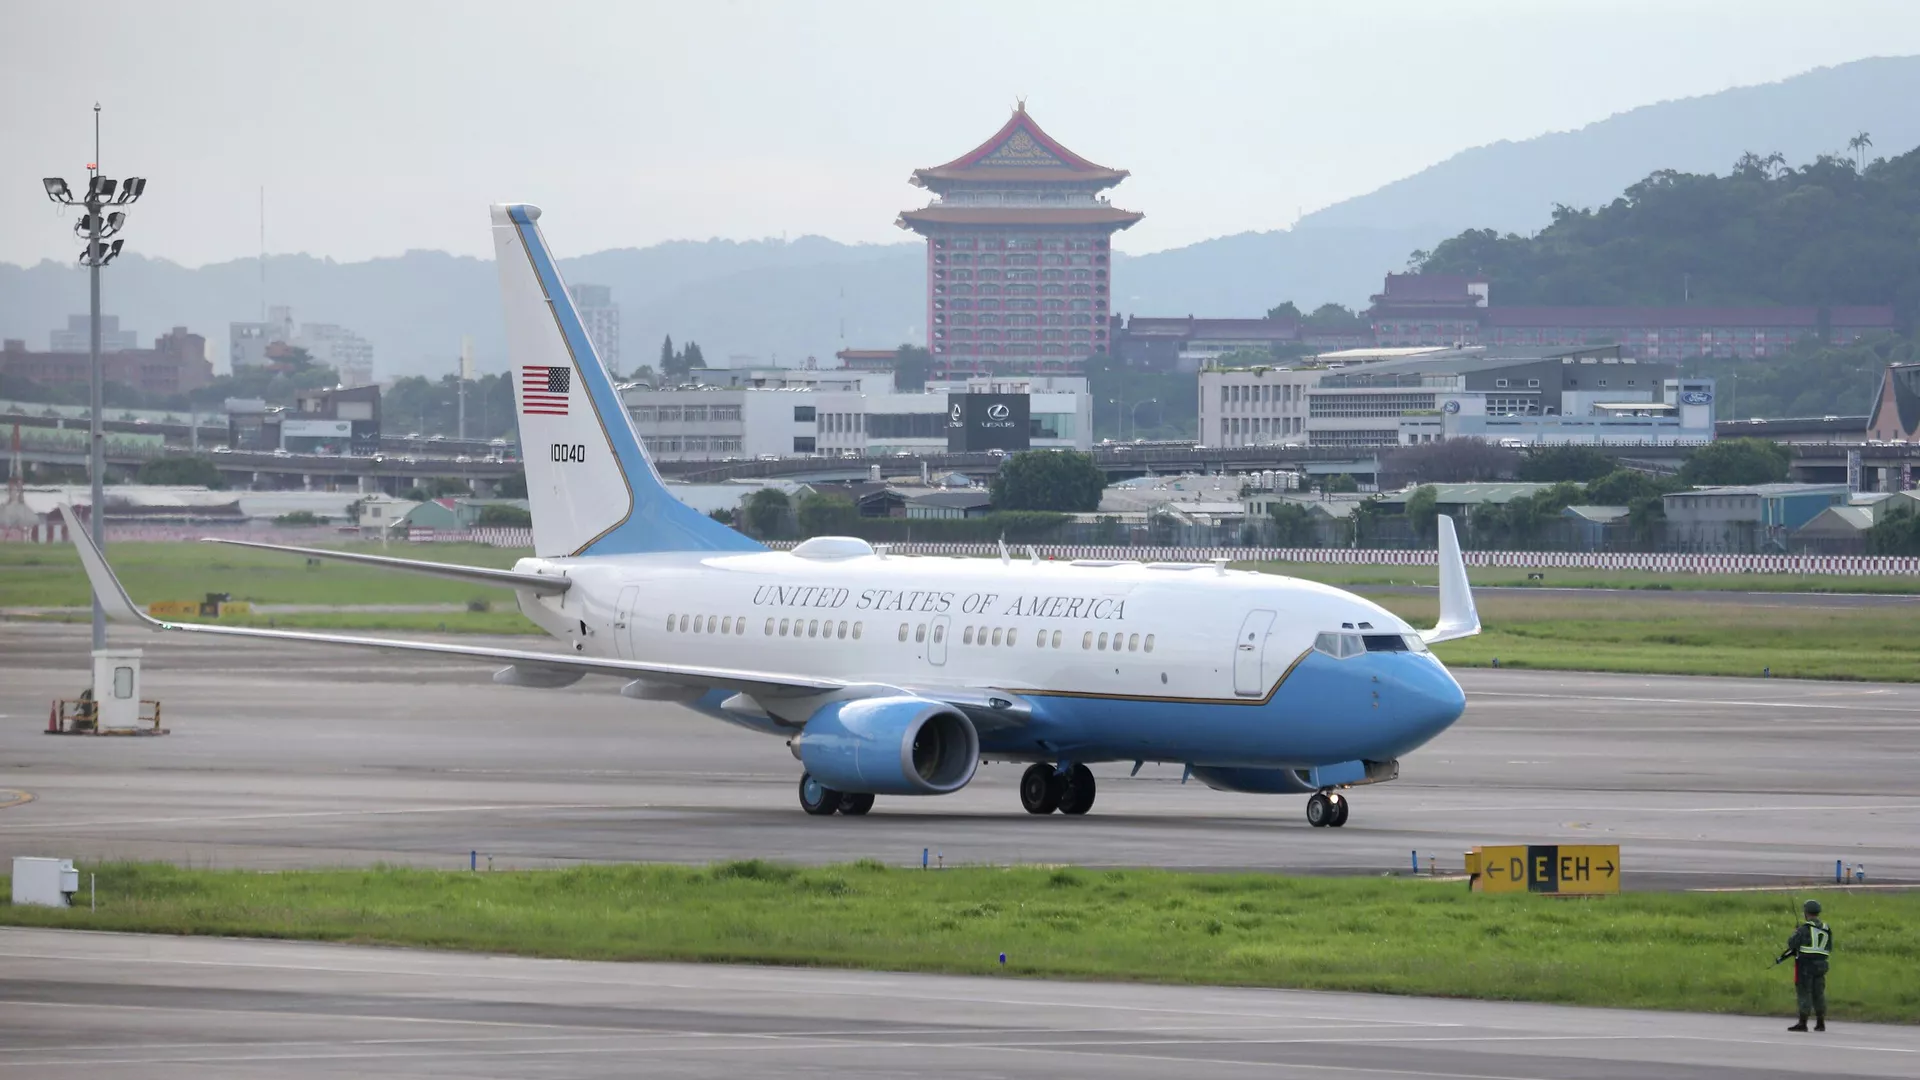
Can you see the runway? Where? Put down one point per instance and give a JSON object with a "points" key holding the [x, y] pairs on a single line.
{"points": [[111, 1005], [301, 756]]}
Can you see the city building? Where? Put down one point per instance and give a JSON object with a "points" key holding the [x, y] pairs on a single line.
{"points": [[1744, 519], [1402, 396], [1188, 344], [340, 349], [786, 412], [950, 504], [1443, 309], [176, 364], [1018, 250], [78, 336], [868, 359], [248, 342], [601, 317]]}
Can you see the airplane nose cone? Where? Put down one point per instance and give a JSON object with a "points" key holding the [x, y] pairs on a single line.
{"points": [[1428, 699]]}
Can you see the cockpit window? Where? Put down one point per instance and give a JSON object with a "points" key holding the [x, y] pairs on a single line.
{"points": [[1385, 642], [1339, 646], [1414, 643]]}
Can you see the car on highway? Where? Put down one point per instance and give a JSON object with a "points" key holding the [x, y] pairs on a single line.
{"points": [[223, 449], [437, 438], [281, 451], [463, 459]]}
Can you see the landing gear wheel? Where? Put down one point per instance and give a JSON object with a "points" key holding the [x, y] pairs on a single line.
{"points": [[1340, 808], [1076, 796], [817, 798], [856, 805], [1040, 790], [1320, 811]]}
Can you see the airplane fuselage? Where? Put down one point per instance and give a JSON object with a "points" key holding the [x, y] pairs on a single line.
{"points": [[1163, 662]]}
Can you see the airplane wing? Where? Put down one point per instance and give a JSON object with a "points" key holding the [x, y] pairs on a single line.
{"points": [[119, 607], [540, 583], [1458, 617]]}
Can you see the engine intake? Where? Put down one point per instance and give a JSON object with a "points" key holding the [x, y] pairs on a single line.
{"points": [[890, 746]]}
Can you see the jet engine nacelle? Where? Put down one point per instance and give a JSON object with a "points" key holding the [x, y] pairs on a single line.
{"points": [[889, 746], [1296, 781]]}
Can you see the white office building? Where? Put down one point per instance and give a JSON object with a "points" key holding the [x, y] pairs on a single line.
{"points": [[340, 349], [78, 336], [786, 413], [601, 318]]}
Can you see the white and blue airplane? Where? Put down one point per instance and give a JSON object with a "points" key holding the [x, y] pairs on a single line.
{"points": [[898, 675]]}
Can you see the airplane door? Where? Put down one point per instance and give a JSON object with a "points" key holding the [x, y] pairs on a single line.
{"points": [[1249, 679], [623, 621], [937, 643]]}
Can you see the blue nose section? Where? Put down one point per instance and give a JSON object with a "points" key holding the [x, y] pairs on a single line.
{"points": [[1424, 700]]}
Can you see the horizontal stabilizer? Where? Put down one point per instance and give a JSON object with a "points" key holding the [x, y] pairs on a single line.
{"points": [[479, 575]]}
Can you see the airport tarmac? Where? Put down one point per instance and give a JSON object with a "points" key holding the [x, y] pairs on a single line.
{"points": [[110, 1005], [307, 756]]}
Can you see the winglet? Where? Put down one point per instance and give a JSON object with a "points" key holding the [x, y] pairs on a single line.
{"points": [[113, 599], [1458, 617]]}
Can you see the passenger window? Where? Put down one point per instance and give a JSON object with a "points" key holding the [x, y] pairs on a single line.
{"points": [[1011, 633], [856, 631], [740, 625], [669, 624], [939, 634], [920, 633], [697, 621], [1103, 642], [1040, 640], [726, 625], [1087, 641], [1148, 644], [996, 635], [683, 624], [783, 628], [843, 630], [813, 628], [903, 631], [1056, 639], [769, 627], [966, 636], [1133, 643]]}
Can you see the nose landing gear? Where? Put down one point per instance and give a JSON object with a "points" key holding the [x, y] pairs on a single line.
{"points": [[1327, 809]]}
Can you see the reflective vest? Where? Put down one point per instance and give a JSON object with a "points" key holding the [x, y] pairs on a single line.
{"points": [[1819, 940]]}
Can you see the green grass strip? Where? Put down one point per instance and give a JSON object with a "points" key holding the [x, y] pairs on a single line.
{"points": [[1681, 951]]}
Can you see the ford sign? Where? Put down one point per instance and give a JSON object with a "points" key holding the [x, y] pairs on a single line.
{"points": [[1696, 397], [1451, 407]]}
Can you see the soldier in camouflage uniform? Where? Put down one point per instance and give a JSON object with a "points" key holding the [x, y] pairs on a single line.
{"points": [[1809, 947]]}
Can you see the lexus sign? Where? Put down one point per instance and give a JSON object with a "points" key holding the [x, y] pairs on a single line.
{"points": [[988, 422]]}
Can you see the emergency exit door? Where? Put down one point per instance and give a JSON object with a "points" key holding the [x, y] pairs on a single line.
{"points": [[1249, 654]]}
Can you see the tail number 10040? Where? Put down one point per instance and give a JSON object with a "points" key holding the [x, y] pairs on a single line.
{"points": [[569, 451]]}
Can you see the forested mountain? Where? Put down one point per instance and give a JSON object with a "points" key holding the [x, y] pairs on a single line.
{"points": [[1823, 233]]}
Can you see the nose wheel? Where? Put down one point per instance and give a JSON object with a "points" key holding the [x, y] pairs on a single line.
{"points": [[1327, 809]]}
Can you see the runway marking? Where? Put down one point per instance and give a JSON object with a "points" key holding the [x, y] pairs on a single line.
{"points": [[201, 819]]}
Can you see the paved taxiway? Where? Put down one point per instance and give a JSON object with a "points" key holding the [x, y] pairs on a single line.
{"points": [[108, 1005], [301, 756]]}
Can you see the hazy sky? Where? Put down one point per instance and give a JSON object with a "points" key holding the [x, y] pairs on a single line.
{"points": [[379, 127]]}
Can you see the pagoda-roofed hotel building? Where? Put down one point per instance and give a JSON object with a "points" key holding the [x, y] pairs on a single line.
{"points": [[1018, 254]]}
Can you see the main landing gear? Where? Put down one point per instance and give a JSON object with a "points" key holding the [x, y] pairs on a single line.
{"points": [[1046, 788], [821, 801], [1327, 809]]}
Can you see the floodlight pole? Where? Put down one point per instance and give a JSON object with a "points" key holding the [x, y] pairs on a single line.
{"points": [[97, 459]]}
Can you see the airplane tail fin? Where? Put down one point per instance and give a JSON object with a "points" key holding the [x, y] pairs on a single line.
{"points": [[1458, 617], [591, 487]]}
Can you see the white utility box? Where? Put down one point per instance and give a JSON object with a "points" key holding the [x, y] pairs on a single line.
{"points": [[116, 687], [46, 882]]}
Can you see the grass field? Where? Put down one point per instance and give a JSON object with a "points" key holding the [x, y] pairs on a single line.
{"points": [[1706, 952], [1338, 574], [49, 575], [1571, 632]]}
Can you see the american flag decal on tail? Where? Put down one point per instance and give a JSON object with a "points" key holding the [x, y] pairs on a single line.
{"points": [[544, 390]]}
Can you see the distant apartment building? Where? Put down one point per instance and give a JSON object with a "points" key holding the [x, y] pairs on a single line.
{"points": [[1443, 309], [248, 342], [1368, 398], [78, 336], [340, 349], [601, 317], [176, 364]]}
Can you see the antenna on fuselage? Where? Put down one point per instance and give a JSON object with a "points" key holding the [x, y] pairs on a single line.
{"points": [[1032, 555], [1005, 559]]}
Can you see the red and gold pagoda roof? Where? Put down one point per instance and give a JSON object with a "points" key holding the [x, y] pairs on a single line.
{"points": [[1019, 152]]}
